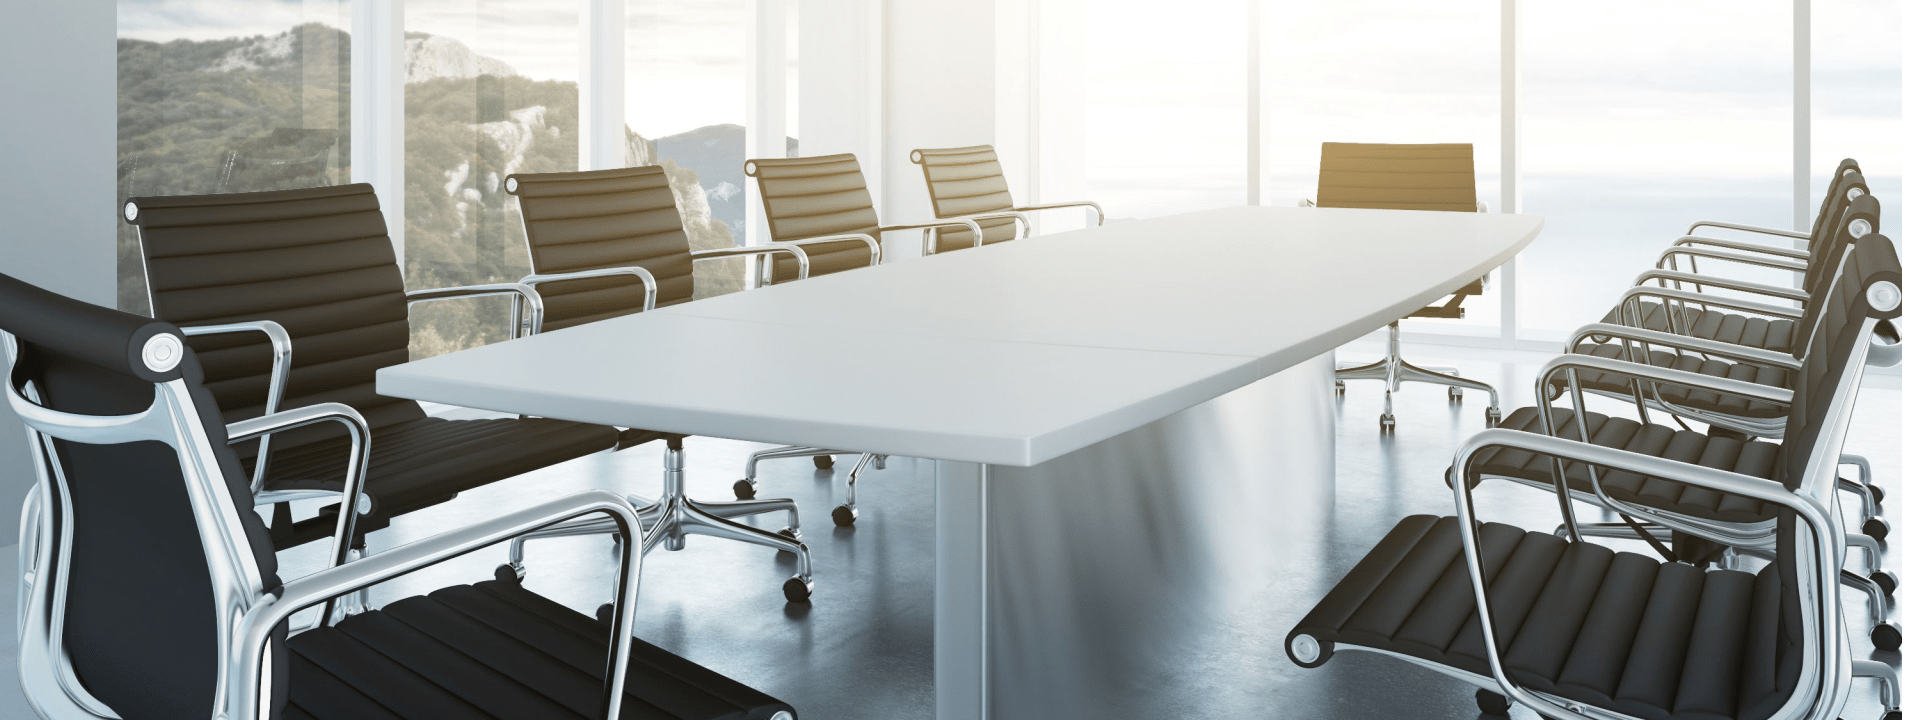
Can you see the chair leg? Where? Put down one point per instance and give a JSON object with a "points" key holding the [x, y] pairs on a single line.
{"points": [[746, 487], [696, 521], [1889, 682], [1394, 369], [848, 512], [745, 508]]}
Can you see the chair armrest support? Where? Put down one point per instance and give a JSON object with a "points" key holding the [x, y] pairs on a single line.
{"points": [[926, 241], [646, 279], [1703, 281], [1826, 550], [756, 252], [1699, 241], [1670, 258], [522, 293], [353, 498], [1684, 342], [276, 382], [1707, 300], [1749, 228], [1026, 223], [242, 665], [1099, 213]]}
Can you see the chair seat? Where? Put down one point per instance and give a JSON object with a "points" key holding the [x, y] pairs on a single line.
{"points": [[1620, 631], [1774, 334], [495, 651], [1750, 457], [1698, 399], [426, 461]]}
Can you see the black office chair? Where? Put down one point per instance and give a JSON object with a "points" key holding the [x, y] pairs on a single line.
{"points": [[1562, 626], [1869, 276], [155, 595]]}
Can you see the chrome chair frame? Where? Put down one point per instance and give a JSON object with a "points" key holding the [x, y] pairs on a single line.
{"points": [[248, 613], [1021, 214]]}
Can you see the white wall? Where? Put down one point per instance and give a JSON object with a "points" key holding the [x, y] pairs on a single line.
{"points": [[56, 174], [940, 70]]}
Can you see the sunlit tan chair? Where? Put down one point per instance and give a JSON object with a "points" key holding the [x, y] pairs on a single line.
{"points": [[968, 182]]}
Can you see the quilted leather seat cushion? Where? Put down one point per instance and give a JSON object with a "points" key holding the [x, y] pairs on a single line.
{"points": [[423, 462], [1774, 334], [1689, 397], [825, 259], [1620, 631], [495, 651], [1754, 458]]}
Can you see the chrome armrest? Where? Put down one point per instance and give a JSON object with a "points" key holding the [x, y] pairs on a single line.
{"points": [[276, 382], [1572, 362], [873, 245], [1826, 550], [1749, 228], [1684, 342], [646, 279], [756, 252], [1099, 213], [1696, 240], [1704, 281], [927, 236], [1670, 258], [522, 293], [1026, 223], [242, 664], [1720, 301], [353, 498], [1306, 202]]}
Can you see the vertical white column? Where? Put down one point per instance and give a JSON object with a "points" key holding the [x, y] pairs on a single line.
{"points": [[1802, 115], [1510, 161], [1256, 111], [603, 84], [379, 125], [840, 82], [1013, 122], [766, 100]]}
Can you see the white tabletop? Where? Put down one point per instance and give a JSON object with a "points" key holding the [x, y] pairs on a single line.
{"points": [[1011, 354]]}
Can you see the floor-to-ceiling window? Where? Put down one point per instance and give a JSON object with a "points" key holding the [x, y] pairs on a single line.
{"points": [[1632, 129], [492, 89], [1856, 98], [1166, 106], [1383, 71], [217, 101], [687, 77]]}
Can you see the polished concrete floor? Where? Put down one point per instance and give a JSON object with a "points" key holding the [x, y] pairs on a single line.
{"points": [[863, 647]]}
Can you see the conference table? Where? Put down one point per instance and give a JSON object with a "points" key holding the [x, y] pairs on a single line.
{"points": [[1132, 424]]}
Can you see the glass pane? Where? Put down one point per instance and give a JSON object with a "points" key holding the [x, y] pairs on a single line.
{"points": [[492, 89], [1166, 94], [1413, 72], [1856, 99], [217, 101], [793, 78], [687, 111], [1633, 129]]}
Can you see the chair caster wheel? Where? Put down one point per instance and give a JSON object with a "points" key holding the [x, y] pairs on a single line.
{"points": [[797, 589], [1887, 581], [1386, 423], [1455, 394], [1492, 703], [1875, 527], [508, 573], [823, 462], [844, 515], [1879, 493], [745, 489], [1886, 636], [1890, 715], [1493, 417], [604, 613], [1339, 387]]}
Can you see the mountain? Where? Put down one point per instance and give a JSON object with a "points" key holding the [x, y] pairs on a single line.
{"points": [[716, 153], [431, 57]]}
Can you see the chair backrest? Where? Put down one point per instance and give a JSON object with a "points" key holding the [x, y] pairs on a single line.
{"points": [[603, 219], [1865, 293], [318, 261], [143, 509], [809, 197], [1397, 177], [967, 181]]}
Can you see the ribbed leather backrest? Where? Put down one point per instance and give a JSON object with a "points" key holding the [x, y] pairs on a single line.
{"points": [[1837, 348], [807, 197], [1397, 177], [317, 260], [967, 181], [602, 219], [140, 627]]}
